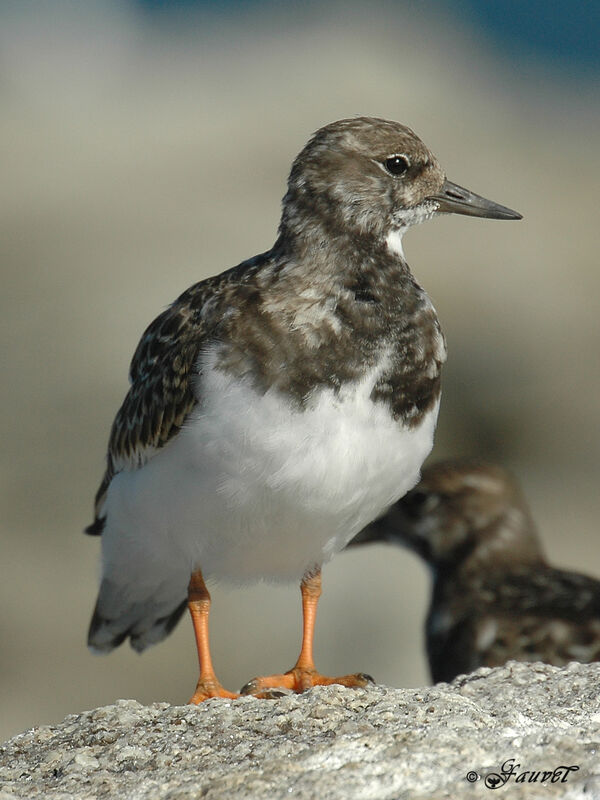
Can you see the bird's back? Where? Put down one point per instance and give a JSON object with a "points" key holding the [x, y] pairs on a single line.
{"points": [[536, 613]]}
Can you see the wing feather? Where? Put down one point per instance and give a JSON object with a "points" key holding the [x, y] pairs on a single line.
{"points": [[163, 390], [161, 394]]}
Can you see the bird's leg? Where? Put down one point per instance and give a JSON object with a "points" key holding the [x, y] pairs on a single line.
{"points": [[304, 675], [199, 606]]}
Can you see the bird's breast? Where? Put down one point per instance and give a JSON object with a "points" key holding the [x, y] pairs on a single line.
{"points": [[283, 487], [379, 326]]}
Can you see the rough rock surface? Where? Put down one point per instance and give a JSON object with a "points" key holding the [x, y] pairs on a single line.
{"points": [[330, 743]]}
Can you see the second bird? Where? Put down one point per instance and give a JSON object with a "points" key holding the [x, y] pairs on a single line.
{"points": [[494, 596]]}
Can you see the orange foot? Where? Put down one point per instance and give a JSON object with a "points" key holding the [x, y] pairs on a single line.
{"points": [[299, 680], [210, 688]]}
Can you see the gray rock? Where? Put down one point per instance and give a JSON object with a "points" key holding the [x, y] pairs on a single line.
{"points": [[331, 743]]}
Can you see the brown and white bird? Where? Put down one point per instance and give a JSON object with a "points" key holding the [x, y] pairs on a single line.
{"points": [[277, 408], [495, 597]]}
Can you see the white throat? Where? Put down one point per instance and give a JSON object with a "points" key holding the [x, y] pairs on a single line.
{"points": [[403, 220], [394, 242]]}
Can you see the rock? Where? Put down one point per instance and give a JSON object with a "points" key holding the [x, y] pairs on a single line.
{"points": [[330, 743]]}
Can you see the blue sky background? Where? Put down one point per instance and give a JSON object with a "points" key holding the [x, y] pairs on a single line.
{"points": [[566, 33]]}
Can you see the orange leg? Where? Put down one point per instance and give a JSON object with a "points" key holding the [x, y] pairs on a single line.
{"points": [[304, 674], [199, 606]]}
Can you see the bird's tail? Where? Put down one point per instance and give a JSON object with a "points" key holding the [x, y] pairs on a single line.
{"points": [[144, 620]]}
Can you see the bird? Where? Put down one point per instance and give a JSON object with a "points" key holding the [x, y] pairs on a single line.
{"points": [[494, 595], [277, 408]]}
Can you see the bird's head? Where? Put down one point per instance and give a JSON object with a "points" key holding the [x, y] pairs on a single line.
{"points": [[369, 175]]}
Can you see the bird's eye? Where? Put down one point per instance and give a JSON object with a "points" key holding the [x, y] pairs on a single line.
{"points": [[396, 165], [417, 503]]}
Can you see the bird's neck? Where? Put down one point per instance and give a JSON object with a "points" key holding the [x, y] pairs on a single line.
{"points": [[327, 251]]}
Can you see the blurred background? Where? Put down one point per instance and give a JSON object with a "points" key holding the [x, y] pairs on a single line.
{"points": [[146, 146]]}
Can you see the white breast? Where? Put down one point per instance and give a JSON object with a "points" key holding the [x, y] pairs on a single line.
{"points": [[253, 488]]}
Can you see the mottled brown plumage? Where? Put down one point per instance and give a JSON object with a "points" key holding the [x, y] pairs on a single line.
{"points": [[494, 595]]}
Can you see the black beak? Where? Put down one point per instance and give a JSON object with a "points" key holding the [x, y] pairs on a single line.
{"points": [[393, 528], [383, 529], [454, 199]]}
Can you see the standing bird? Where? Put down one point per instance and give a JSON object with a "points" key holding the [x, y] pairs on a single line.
{"points": [[495, 597], [277, 408]]}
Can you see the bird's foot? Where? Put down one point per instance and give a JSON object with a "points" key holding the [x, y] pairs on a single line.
{"points": [[210, 688], [299, 680]]}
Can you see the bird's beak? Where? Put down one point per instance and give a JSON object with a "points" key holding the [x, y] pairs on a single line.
{"points": [[454, 199], [385, 529]]}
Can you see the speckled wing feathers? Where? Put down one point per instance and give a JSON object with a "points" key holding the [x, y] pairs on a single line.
{"points": [[539, 614], [161, 395], [550, 592], [546, 615], [162, 392]]}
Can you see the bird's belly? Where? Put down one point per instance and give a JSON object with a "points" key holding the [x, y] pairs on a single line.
{"points": [[253, 488]]}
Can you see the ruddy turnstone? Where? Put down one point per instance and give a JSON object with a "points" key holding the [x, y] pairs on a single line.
{"points": [[277, 408], [494, 595]]}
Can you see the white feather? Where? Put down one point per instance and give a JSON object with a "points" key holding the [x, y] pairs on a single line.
{"points": [[394, 242]]}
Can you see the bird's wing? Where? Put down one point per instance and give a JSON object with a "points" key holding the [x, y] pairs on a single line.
{"points": [[541, 614], [546, 591], [548, 615], [162, 374], [161, 395]]}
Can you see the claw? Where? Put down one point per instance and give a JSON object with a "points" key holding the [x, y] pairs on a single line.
{"points": [[206, 689], [300, 680]]}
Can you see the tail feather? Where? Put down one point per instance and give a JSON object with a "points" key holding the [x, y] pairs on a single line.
{"points": [[144, 623], [160, 629], [96, 528]]}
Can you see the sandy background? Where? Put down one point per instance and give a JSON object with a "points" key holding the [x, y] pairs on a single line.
{"points": [[139, 158]]}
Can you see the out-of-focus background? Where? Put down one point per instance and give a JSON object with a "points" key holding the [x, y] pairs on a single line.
{"points": [[145, 146]]}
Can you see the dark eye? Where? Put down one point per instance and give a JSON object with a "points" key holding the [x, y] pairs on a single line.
{"points": [[396, 165], [418, 503]]}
